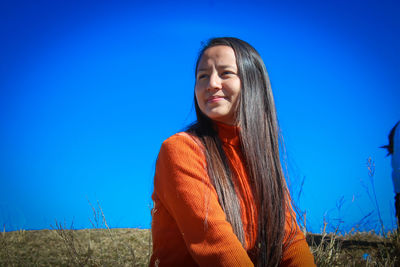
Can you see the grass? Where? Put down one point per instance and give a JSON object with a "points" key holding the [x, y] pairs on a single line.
{"points": [[103, 246], [132, 247], [64, 246], [355, 249], [88, 247]]}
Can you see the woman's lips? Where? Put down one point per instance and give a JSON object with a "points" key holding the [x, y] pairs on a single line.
{"points": [[214, 99]]}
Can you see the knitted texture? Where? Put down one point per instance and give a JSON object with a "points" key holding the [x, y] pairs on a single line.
{"points": [[189, 227]]}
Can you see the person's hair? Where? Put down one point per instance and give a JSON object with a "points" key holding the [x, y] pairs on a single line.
{"points": [[259, 139], [389, 146]]}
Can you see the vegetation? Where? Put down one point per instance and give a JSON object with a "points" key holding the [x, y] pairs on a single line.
{"points": [[89, 247], [355, 249], [100, 246], [132, 247], [103, 246]]}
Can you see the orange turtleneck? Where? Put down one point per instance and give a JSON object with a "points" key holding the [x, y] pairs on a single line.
{"points": [[189, 227]]}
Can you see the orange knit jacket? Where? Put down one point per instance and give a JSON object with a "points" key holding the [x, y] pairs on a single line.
{"points": [[189, 227]]}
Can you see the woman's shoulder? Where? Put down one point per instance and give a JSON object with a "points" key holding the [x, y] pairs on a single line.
{"points": [[182, 140], [179, 155]]}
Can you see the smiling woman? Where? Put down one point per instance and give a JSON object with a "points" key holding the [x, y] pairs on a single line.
{"points": [[220, 196], [218, 84]]}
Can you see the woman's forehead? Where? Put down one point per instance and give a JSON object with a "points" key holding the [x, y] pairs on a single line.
{"points": [[219, 56]]}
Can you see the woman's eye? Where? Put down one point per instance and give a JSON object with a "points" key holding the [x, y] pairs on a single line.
{"points": [[227, 73], [201, 76]]}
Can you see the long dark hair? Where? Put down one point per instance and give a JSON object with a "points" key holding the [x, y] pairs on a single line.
{"points": [[259, 139]]}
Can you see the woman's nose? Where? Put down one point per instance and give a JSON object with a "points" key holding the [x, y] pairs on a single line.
{"points": [[214, 82]]}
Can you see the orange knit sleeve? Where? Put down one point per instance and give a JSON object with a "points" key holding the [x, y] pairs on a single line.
{"points": [[296, 252], [183, 188]]}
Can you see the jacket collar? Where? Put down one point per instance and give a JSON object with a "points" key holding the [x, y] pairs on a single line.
{"points": [[228, 133]]}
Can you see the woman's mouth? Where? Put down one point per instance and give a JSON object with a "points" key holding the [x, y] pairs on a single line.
{"points": [[213, 99]]}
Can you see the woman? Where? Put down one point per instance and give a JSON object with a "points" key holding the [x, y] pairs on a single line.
{"points": [[220, 197]]}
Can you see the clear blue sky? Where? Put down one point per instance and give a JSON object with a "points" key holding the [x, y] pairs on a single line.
{"points": [[90, 89]]}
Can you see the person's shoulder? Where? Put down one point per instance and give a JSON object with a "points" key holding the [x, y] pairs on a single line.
{"points": [[181, 145], [180, 149], [182, 140]]}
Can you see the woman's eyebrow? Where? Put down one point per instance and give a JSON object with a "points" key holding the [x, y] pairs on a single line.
{"points": [[202, 69], [218, 67], [226, 67]]}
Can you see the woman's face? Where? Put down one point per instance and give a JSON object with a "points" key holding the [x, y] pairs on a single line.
{"points": [[218, 84]]}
